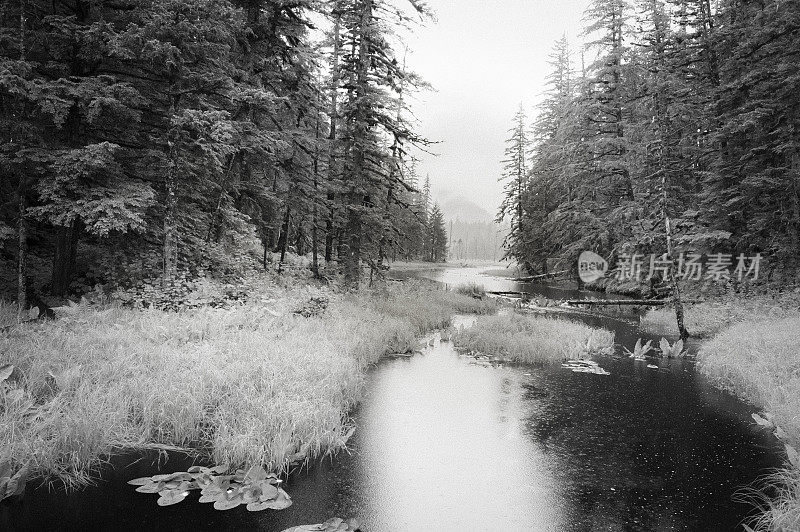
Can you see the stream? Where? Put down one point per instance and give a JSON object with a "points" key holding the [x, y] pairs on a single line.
{"points": [[446, 442]]}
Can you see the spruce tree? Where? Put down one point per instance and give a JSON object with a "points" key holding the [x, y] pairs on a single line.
{"points": [[515, 175]]}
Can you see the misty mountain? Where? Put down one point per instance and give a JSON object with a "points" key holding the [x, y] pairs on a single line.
{"points": [[472, 231], [459, 208]]}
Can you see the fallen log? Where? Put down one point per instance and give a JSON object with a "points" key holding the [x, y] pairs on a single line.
{"points": [[637, 302], [530, 278]]}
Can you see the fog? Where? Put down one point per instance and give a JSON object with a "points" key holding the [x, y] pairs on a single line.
{"points": [[483, 59]]}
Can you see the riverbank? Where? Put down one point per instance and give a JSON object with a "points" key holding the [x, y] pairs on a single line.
{"points": [[267, 381], [752, 350], [704, 320], [758, 359]]}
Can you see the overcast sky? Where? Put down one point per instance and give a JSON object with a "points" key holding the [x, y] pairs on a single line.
{"points": [[484, 58]]}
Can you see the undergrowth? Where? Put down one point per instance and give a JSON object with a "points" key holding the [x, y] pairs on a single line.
{"points": [[250, 384]]}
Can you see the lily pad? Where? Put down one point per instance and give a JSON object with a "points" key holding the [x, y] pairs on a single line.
{"points": [[255, 487], [170, 497], [149, 488], [178, 477], [331, 525], [209, 498], [257, 506], [143, 481], [268, 491], [256, 473], [228, 503], [281, 501]]}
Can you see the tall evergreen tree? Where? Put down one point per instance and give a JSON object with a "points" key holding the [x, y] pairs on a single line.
{"points": [[373, 77], [515, 175]]}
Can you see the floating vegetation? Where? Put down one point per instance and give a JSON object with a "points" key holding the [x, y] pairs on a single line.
{"points": [[584, 366], [671, 351], [331, 525], [593, 347], [766, 420], [640, 351], [256, 488]]}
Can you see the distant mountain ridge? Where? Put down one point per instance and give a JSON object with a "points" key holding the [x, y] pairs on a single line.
{"points": [[465, 210], [472, 231]]}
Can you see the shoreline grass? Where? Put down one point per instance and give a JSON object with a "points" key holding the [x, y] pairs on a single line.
{"points": [[704, 320], [758, 360], [252, 384], [531, 339]]}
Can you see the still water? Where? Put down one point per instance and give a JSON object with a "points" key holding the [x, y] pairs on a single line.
{"points": [[449, 443]]}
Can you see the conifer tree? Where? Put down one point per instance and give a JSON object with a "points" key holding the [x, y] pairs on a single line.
{"points": [[515, 175], [372, 77]]}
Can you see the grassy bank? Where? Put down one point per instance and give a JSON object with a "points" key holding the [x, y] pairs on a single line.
{"points": [[532, 339], [251, 384], [703, 320], [759, 361]]}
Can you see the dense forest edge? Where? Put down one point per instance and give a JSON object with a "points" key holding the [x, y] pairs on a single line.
{"points": [[679, 118], [145, 142]]}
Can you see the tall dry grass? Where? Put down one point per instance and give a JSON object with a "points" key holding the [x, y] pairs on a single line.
{"points": [[703, 320], [472, 289], [239, 386], [759, 361], [531, 339]]}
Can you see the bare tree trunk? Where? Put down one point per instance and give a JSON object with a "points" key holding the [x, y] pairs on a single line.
{"points": [[22, 250], [352, 266], [329, 223], [170, 229], [22, 227], [676, 289], [171, 203], [283, 239], [215, 219], [314, 222], [64, 257], [356, 198], [329, 236]]}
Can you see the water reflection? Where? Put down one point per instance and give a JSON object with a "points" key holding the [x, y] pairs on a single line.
{"points": [[459, 458]]}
